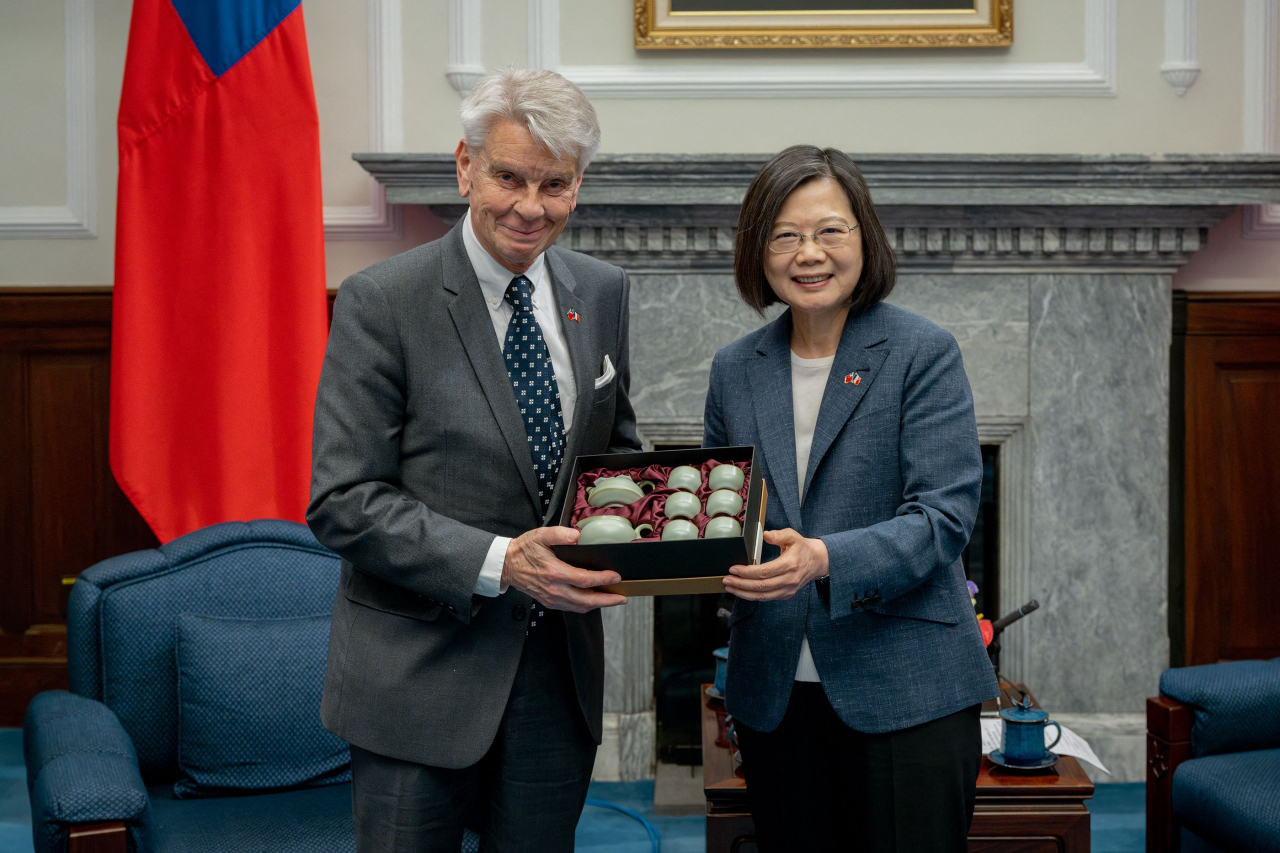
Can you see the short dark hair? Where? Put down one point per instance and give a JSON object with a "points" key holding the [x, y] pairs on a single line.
{"points": [[769, 189]]}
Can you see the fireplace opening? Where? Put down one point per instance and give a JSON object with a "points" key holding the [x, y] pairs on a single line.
{"points": [[982, 555], [688, 628]]}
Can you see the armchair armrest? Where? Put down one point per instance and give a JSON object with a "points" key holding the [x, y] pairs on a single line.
{"points": [[1168, 745], [81, 769], [1236, 704]]}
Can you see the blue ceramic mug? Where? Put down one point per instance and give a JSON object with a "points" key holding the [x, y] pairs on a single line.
{"points": [[1023, 744]]}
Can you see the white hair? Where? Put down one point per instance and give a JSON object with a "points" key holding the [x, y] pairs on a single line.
{"points": [[554, 111]]}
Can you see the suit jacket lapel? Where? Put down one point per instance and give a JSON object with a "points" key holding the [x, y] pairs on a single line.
{"points": [[775, 420], [472, 320], [857, 358], [584, 348]]}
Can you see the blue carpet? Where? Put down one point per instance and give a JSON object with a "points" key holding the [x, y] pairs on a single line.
{"points": [[1119, 818], [602, 829], [1118, 815], [15, 808]]}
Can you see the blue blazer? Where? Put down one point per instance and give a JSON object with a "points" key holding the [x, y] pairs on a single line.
{"points": [[892, 488]]}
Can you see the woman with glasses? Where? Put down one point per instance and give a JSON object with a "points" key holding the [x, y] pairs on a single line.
{"points": [[856, 669]]}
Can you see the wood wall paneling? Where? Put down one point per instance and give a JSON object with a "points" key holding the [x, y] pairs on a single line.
{"points": [[1231, 464], [60, 508]]}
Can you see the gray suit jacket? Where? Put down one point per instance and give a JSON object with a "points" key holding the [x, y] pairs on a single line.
{"points": [[419, 459], [892, 488]]}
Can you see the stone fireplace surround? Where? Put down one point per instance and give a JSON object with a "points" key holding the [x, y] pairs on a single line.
{"points": [[1054, 273]]}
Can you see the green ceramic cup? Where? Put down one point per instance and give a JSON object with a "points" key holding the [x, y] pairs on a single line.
{"points": [[682, 505], [725, 477], [722, 527], [685, 478], [679, 530], [724, 502]]}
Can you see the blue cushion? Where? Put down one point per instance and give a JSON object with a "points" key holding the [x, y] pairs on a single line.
{"points": [[1232, 801], [121, 617], [315, 820], [1237, 704], [249, 706]]}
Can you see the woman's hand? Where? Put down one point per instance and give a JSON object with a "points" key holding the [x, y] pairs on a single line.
{"points": [[801, 561]]}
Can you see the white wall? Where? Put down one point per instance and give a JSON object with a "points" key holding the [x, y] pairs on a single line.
{"points": [[1120, 103]]}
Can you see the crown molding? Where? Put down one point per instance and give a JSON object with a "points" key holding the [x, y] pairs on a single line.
{"points": [[377, 220], [1181, 67], [1094, 77], [78, 218], [1261, 25]]}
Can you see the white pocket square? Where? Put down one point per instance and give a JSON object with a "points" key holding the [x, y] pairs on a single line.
{"points": [[607, 377]]}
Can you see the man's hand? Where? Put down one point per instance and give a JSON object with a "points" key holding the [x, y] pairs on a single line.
{"points": [[532, 568], [801, 561]]}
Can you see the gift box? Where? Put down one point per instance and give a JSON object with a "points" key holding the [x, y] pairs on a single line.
{"points": [[650, 566]]}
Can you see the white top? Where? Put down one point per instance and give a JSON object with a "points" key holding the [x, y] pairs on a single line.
{"points": [[494, 280], [808, 381]]}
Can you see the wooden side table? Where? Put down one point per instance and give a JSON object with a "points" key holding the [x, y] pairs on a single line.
{"points": [[1041, 812]]}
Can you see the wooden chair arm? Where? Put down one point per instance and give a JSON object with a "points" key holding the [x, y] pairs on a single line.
{"points": [[110, 837], [1169, 719], [1168, 745]]}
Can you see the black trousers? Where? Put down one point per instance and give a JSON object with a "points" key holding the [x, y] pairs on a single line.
{"points": [[525, 795], [815, 784]]}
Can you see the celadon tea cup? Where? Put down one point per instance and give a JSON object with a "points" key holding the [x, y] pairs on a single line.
{"points": [[725, 477], [609, 530], [724, 502], [616, 491], [684, 478], [679, 530], [722, 527], [682, 505]]}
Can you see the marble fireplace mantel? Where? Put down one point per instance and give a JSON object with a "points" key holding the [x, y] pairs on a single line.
{"points": [[895, 179], [1054, 273], [678, 212]]}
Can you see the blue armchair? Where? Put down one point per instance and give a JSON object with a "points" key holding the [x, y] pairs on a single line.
{"points": [[195, 628], [1213, 759]]}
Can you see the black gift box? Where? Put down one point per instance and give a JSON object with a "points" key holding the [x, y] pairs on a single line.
{"points": [[671, 568]]}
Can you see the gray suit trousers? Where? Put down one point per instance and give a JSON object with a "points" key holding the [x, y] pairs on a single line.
{"points": [[524, 796]]}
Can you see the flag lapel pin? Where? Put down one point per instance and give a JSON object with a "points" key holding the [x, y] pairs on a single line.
{"points": [[574, 316], [853, 379]]}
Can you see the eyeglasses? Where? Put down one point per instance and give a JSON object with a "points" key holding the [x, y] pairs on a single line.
{"points": [[828, 237]]}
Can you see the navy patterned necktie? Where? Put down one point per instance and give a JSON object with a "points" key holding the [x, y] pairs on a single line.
{"points": [[533, 380]]}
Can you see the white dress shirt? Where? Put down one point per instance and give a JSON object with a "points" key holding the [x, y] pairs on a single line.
{"points": [[808, 382], [494, 280]]}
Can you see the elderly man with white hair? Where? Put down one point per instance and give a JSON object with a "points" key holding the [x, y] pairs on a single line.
{"points": [[466, 662]]}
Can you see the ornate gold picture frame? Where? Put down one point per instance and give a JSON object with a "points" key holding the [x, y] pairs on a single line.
{"points": [[701, 24]]}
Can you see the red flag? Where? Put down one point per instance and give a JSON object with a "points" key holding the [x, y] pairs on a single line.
{"points": [[219, 313]]}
